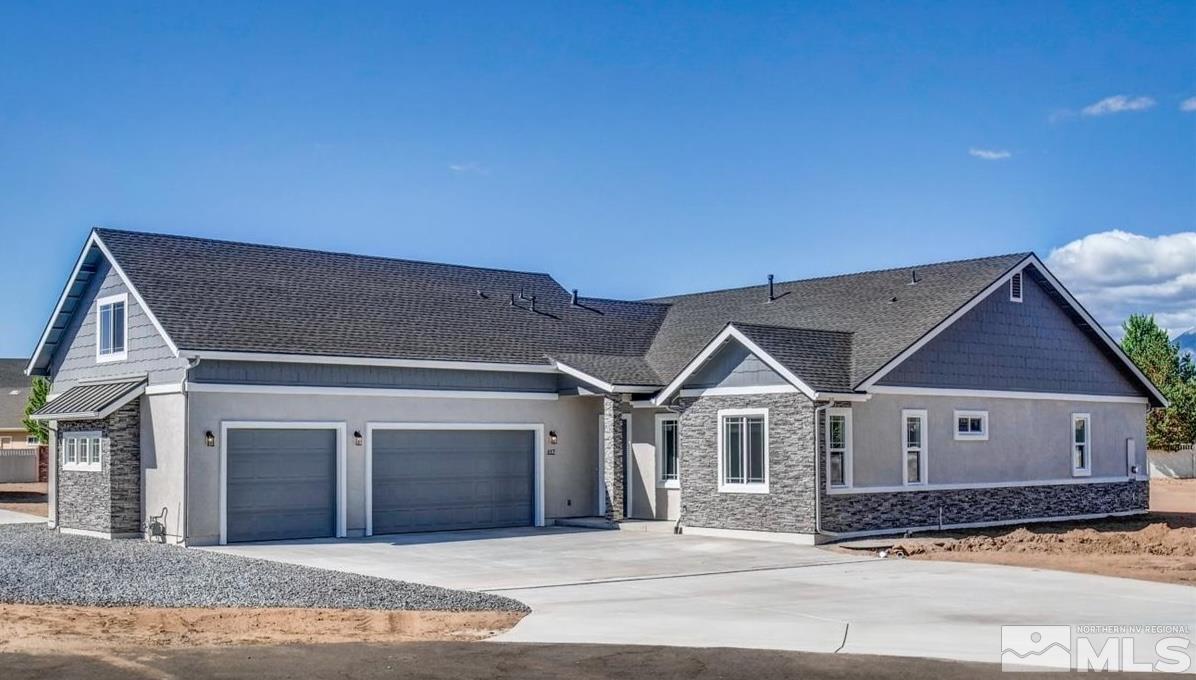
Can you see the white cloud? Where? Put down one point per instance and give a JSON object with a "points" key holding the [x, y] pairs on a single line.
{"points": [[1118, 104], [1116, 273], [1188, 104], [469, 168], [990, 154]]}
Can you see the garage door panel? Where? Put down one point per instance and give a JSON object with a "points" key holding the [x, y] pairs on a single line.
{"points": [[436, 480], [281, 484]]}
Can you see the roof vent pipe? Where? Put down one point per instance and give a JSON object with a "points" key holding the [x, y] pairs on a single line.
{"points": [[913, 276], [771, 295], [574, 300]]}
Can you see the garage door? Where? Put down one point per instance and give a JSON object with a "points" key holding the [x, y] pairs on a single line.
{"points": [[436, 480], [281, 484]]}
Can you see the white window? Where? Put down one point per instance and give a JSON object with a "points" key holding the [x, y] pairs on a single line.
{"points": [[112, 326], [1015, 287], [1081, 445], [743, 451], [81, 451], [668, 452], [5, 441], [913, 436], [32, 439], [838, 447], [971, 426]]}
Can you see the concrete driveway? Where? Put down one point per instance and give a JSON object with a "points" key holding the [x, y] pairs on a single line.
{"points": [[648, 588]]}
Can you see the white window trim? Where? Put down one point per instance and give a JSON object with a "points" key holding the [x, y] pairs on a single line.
{"points": [[1018, 276], [847, 464], [923, 460], [981, 436], [1071, 448], [742, 488], [661, 483], [123, 354], [33, 439], [78, 436]]}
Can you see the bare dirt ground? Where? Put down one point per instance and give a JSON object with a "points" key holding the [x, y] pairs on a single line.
{"points": [[1159, 546], [464, 661], [52, 629], [28, 498]]}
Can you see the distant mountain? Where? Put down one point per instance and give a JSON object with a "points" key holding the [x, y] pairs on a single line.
{"points": [[1187, 342]]}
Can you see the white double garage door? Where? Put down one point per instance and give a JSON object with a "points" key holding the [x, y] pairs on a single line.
{"points": [[284, 482]]}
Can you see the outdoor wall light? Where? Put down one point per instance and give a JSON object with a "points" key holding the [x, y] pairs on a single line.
{"points": [[552, 437], [357, 437], [209, 438]]}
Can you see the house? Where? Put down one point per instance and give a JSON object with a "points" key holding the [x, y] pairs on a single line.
{"points": [[209, 392], [14, 394]]}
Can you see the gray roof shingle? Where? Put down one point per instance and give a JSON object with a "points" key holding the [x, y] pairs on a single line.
{"points": [[14, 393], [821, 359]]}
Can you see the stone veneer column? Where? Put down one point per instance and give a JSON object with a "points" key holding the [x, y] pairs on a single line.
{"points": [[613, 456], [109, 500]]}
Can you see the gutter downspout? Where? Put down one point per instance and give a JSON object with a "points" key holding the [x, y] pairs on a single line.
{"points": [[818, 410], [191, 363]]}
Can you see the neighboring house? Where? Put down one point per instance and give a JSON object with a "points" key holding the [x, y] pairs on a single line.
{"points": [[14, 394], [228, 392]]}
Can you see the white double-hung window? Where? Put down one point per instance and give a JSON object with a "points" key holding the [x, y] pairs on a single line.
{"points": [[80, 451], [112, 326], [1081, 445], [838, 447], [913, 436], [743, 451]]}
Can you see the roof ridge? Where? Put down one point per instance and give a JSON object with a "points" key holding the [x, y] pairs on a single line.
{"points": [[314, 251], [746, 324], [661, 298]]}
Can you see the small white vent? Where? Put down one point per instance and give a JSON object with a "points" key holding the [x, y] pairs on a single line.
{"points": [[1015, 287]]}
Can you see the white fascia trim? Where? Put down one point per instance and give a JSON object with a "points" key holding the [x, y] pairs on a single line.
{"points": [[165, 388], [711, 347], [93, 239], [1004, 394], [841, 396], [716, 391], [536, 428], [220, 388], [368, 361], [978, 525], [871, 381], [341, 462], [748, 535], [943, 325], [984, 485], [599, 383]]}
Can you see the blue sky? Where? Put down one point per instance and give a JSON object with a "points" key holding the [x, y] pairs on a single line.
{"points": [[629, 150]]}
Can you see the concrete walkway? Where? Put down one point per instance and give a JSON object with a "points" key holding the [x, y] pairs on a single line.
{"points": [[645, 588], [11, 517]]}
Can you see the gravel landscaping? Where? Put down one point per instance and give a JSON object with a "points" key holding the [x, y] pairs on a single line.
{"points": [[41, 566]]}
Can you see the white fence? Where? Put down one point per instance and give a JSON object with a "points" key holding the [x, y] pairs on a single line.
{"points": [[18, 464], [1173, 464]]}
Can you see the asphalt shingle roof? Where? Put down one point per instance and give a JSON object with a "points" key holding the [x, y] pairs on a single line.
{"points": [[12, 406], [619, 370], [219, 295], [882, 310], [821, 359]]}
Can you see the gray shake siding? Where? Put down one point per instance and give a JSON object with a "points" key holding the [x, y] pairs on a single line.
{"points": [[335, 375], [148, 353], [734, 366], [107, 500], [1032, 346], [789, 504], [929, 509]]}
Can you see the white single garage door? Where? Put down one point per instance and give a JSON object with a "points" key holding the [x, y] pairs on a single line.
{"points": [[281, 484], [438, 480]]}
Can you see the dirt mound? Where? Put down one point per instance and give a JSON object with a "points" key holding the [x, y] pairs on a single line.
{"points": [[1155, 539]]}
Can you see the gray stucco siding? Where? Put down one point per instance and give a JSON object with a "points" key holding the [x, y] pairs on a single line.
{"points": [[570, 467], [334, 375], [733, 365], [148, 353], [1032, 346], [162, 418], [1028, 440]]}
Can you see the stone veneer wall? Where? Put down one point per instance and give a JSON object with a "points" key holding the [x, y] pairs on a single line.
{"points": [[905, 509], [107, 501], [789, 504], [613, 456]]}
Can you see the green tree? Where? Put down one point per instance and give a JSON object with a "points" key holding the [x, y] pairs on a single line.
{"points": [[1173, 373], [37, 399]]}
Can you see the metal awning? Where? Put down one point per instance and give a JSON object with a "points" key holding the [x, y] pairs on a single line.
{"points": [[91, 401]]}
